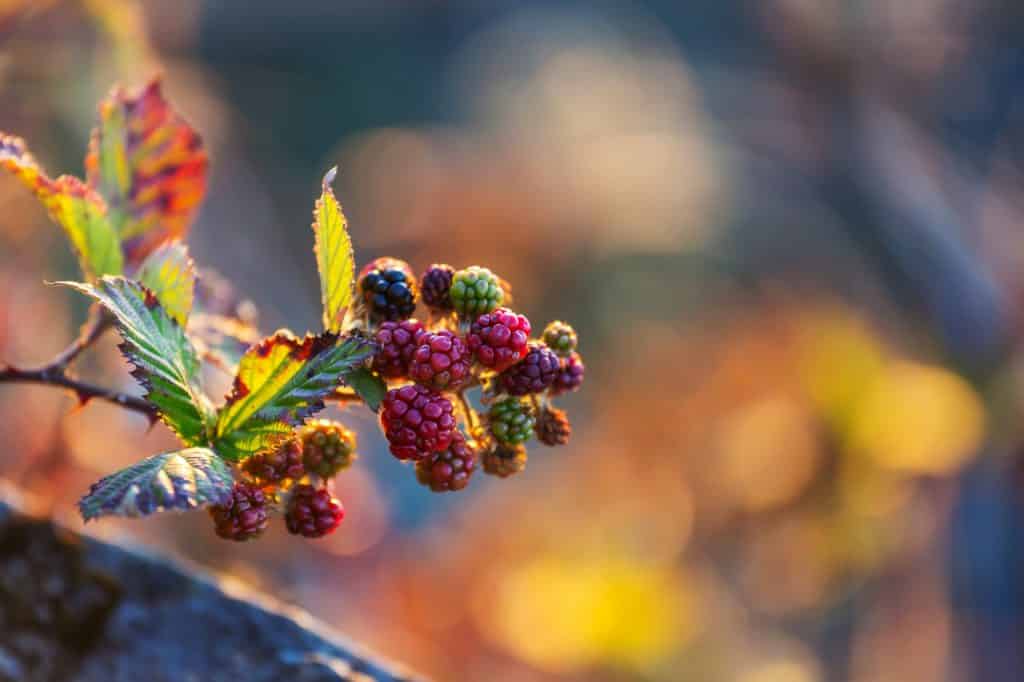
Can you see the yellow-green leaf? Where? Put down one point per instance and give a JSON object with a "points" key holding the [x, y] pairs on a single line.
{"points": [[334, 258], [149, 165], [280, 382], [72, 205], [170, 274]]}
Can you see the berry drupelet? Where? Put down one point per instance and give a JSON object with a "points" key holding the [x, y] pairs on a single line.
{"points": [[511, 420], [475, 291], [397, 341], [417, 421], [327, 447], [450, 470], [243, 516], [435, 284], [570, 374], [312, 512], [560, 337], [440, 361], [499, 339], [553, 427], [533, 374], [276, 467], [389, 289]]}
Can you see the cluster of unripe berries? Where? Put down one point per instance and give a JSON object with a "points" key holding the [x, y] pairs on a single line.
{"points": [[471, 350], [292, 478], [470, 340]]}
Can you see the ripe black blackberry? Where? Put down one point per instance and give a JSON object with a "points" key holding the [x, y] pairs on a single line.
{"points": [[389, 289]]}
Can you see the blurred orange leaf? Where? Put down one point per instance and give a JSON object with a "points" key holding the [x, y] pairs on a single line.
{"points": [[149, 165]]}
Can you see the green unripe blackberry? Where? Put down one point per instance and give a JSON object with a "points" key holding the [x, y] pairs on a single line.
{"points": [[475, 291], [511, 420], [327, 447], [560, 337]]}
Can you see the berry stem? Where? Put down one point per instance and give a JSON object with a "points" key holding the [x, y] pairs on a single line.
{"points": [[55, 372], [92, 329], [472, 419]]}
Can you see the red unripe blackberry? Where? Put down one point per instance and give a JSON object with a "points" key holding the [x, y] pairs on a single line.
{"points": [[312, 512], [553, 427], [244, 516], [499, 339], [450, 470], [511, 420], [533, 374], [560, 337], [397, 341], [389, 289], [416, 421], [327, 447], [441, 360], [435, 284], [569, 376], [276, 467], [504, 460]]}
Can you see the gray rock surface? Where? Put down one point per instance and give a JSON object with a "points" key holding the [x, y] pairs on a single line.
{"points": [[75, 609]]}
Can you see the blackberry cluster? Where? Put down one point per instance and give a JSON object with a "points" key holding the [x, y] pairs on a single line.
{"points": [[466, 389], [468, 343], [281, 480]]}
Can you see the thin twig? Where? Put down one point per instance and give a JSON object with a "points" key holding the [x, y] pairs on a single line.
{"points": [[83, 391], [95, 325], [55, 372]]}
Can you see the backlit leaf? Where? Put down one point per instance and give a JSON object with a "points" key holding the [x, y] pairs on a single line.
{"points": [[72, 205], [334, 258], [165, 362], [149, 165], [367, 385], [280, 382], [170, 274], [171, 481]]}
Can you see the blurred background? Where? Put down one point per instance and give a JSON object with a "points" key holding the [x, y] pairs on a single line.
{"points": [[788, 232]]}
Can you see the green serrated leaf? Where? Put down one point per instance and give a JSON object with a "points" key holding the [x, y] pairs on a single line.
{"points": [[165, 361], [368, 385], [72, 205], [334, 257], [178, 481], [149, 165], [170, 274], [280, 382]]}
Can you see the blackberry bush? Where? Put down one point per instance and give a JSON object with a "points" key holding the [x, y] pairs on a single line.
{"points": [[260, 451]]}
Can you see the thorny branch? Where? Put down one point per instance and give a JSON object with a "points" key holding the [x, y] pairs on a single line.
{"points": [[55, 372]]}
